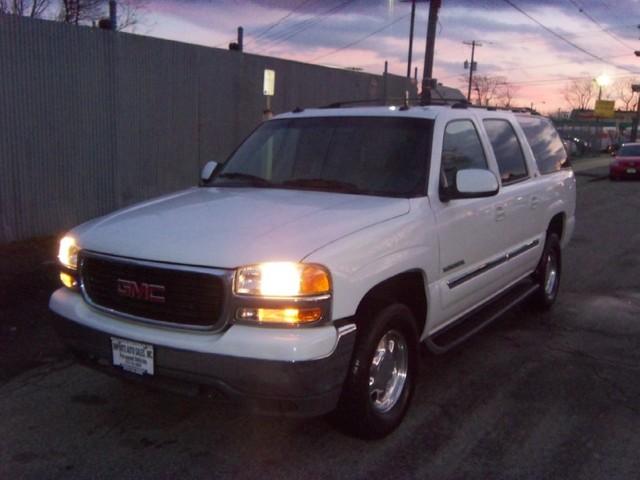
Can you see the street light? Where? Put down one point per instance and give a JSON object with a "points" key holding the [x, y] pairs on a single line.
{"points": [[602, 80]]}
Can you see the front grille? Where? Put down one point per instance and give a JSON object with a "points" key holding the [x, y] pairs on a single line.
{"points": [[190, 298]]}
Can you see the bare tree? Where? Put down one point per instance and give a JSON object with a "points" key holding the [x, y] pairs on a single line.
{"points": [[87, 12], [579, 93], [623, 93], [81, 12], [506, 92], [487, 89], [25, 8], [131, 13]]}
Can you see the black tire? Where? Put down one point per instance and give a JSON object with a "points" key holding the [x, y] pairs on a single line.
{"points": [[551, 260], [361, 412]]}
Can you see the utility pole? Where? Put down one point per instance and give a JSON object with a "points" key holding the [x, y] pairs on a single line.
{"points": [[413, 20], [385, 88], [472, 66], [636, 119], [113, 14], [429, 83]]}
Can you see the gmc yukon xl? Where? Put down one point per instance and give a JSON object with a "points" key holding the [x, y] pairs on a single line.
{"points": [[302, 274]]}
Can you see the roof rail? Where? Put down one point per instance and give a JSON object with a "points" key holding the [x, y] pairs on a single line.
{"points": [[464, 104], [347, 103], [390, 101]]}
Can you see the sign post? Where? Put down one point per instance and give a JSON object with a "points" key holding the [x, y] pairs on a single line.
{"points": [[269, 89]]}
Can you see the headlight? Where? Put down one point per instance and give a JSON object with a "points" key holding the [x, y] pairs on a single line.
{"points": [[68, 253], [282, 279], [282, 293]]}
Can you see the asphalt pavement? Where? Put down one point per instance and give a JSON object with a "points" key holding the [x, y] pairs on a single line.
{"points": [[534, 396]]}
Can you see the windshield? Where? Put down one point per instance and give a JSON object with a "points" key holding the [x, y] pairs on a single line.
{"points": [[362, 155], [629, 151]]}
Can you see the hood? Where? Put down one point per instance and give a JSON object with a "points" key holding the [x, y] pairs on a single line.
{"points": [[229, 227]]}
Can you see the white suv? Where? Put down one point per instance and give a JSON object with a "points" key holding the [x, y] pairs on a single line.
{"points": [[301, 275]]}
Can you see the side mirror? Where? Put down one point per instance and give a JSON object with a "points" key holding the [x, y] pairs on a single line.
{"points": [[471, 183], [207, 171]]}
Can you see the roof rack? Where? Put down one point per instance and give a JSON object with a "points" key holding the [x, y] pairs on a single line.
{"points": [[406, 103], [390, 101], [493, 108]]}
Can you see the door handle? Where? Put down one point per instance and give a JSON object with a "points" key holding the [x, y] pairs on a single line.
{"points": [[500, 213], [534, 202]]}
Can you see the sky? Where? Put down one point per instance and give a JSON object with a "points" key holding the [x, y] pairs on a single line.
{"points": [[536, 46]]}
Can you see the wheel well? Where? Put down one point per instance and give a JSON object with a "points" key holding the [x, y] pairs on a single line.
{"points": [[557, 225], [407, 288]]}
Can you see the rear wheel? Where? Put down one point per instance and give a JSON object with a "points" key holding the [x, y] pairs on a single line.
{"points": [[547, 273], [382, 375]]}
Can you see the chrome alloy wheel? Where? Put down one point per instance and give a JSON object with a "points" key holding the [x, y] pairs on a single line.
{"points": [[388, 371], [551, 275]]}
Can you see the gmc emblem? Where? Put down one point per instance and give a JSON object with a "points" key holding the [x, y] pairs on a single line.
{"points": [[141, 291]]}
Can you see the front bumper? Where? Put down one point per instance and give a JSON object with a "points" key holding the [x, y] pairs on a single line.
{"points": [[288, 386]]}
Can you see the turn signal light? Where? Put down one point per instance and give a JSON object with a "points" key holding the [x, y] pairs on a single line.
{"points": [[288, 316], [67, 280]]}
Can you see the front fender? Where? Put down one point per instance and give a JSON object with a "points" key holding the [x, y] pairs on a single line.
{"points": [[370, 256]]}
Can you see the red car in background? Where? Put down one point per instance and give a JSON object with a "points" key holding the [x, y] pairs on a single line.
{"points": [[626, 162]]}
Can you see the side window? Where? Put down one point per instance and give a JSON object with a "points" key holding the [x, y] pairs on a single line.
{"points": [[461, 150], [545, 143], [507, 149]]}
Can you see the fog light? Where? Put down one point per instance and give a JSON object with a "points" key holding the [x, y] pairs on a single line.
{"points": [[67, 280], [287, 316]]}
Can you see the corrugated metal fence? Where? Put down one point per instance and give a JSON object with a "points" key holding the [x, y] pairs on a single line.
{"points": [[92, 120]]}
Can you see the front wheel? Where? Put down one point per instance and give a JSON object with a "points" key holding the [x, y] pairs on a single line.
{"points": [[547, 273], [382, 375]]}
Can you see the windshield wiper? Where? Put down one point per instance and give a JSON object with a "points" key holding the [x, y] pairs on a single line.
{"points": [[321, 183], [253, 179]]}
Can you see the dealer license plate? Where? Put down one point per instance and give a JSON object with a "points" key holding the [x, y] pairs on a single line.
{"points": [[631, 170], [132, 356]]}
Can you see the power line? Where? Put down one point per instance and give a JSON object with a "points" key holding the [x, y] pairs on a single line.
{"points": [[306, 24], [544, 81], [566, 40], [279, 21], [527, 67], [582, 10], [362, 39]]}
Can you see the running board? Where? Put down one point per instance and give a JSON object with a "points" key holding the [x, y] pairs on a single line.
{"points": [[453, 335]]}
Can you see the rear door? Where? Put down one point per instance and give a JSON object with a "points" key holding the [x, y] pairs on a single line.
{"points": [[520, 198]]}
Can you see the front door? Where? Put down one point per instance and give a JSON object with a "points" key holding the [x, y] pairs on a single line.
{"points": [[471, 233]]}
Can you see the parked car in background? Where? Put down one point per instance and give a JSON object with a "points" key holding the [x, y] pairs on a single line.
{"points": [[626, 162], [570, 146], [577, 146]]}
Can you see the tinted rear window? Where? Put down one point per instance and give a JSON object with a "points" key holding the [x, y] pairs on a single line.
{"points": [[545, 142], [506, 148]]}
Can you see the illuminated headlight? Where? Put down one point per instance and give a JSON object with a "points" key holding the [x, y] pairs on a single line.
{"points": [[68, 253], [282, 279], [282, 293]]}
